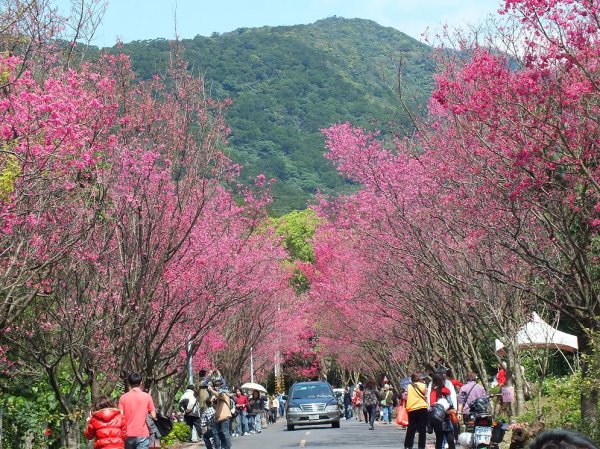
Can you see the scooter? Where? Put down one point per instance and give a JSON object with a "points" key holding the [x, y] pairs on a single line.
{"points": [[481, 430]]}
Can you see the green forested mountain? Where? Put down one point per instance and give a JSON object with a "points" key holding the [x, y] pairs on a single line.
{"points": [[288, 82]]}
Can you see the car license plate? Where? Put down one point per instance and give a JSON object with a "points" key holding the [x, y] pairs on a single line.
{"points": [[482, 435], [313, 417]]}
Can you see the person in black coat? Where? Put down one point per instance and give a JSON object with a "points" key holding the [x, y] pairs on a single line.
{"points": [[347, 403]]}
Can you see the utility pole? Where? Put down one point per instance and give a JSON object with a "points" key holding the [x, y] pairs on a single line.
{"points": [[194, 437], [276, 372], [279, 384], [251, 365], [279, 381], [190, 372]]}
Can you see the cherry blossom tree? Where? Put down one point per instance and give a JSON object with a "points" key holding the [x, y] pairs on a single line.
{"points": [[536, 125], [149, 250], [51, 145], [491, 206]]}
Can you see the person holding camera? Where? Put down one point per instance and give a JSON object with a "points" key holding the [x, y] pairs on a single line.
{"points": [[223, 412], [201, 390]]}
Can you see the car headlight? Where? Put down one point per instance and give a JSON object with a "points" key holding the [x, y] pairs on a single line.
{"points": [[294, 409], [332, 408]]}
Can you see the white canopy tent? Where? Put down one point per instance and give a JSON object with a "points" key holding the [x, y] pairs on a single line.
{"points": [[537, 334]]}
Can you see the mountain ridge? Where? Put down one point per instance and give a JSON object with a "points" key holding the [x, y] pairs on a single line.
{"points": [[288, 82]]}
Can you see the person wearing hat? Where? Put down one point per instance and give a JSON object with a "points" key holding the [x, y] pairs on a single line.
{"points": [[217, 380], [188, 404], [223, 412], [387, 402]]}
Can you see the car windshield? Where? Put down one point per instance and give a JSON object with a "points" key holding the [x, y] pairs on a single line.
{"points": [[311, 391]]}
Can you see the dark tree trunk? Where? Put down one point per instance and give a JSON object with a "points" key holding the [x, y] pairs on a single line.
{"points": [[589, 396]]}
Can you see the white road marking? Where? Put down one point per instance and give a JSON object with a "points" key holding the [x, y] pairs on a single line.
{"points": [[302, 443]]}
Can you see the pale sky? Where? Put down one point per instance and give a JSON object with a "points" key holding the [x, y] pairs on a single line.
{"points": [[147, 19]]}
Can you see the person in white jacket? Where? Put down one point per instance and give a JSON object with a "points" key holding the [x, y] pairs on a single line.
{"points": [[188, 404]]}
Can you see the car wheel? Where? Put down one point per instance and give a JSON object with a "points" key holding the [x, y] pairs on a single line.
{"points": [[335, 424], [290, 427]]}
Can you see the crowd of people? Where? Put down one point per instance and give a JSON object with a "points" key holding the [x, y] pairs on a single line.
{"points": [[426, 390], [215, 413], [421, 392], [368, 403], [218, 413]]}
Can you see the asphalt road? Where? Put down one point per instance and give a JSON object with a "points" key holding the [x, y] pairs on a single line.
{"points": [[351, 435]]}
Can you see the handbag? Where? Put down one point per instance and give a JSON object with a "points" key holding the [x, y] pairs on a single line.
{"points": [[233, 409], [163, 424], [402, 416], [223, 412], [453, 416]]}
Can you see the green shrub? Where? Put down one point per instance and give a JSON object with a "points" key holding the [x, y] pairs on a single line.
{"points": [[181, 433], [496, 390], [560, 405], [527, 417], [27, 413]]}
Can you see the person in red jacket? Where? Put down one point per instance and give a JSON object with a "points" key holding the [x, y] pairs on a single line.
{"points": [[241, 405], [107, 425], [501, 376], [443, 430]]}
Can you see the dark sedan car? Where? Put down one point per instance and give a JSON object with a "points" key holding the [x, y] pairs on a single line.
{"points": [[312, 403]]}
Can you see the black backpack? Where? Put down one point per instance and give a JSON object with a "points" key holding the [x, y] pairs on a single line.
{"points": [[370, 398], [183, 403], [437, 415]]}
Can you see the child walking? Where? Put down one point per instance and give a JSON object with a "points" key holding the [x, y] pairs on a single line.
{"points": [[106, 425], [209, 426]]}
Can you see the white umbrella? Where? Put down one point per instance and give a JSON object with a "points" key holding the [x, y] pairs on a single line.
{"points": [[253, 386]]}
